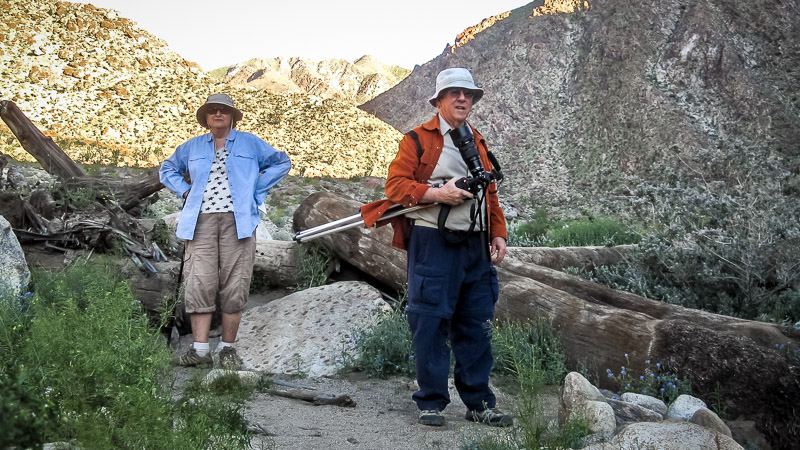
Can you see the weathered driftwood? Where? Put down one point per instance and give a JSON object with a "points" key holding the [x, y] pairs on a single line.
{"points": [[41, 147], [367, 250], [583, 258], [602, 328], [317, 399], [277, 262], [127, 192]]}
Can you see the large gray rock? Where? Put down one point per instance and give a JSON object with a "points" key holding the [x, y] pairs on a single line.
{"points": [[627, 413], [14, 273], [684, 407], [709, 419], [306, 332], [646, 401], [582, 401], [578, 390], [667, 436]]}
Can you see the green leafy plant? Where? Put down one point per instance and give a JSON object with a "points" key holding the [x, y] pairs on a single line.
{"points": [[655, 382], [384, 349], [83, 365], [529, 353], [532, 343], [314, 263]]}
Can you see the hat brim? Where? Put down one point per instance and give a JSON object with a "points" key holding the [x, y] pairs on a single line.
{"points": [[201, 113], [462, 84]]}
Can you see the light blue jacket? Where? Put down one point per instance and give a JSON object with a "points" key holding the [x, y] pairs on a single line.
{"points": [[253, 168]]}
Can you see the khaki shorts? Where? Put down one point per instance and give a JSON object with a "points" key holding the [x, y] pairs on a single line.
{"points": [[217, 261]]}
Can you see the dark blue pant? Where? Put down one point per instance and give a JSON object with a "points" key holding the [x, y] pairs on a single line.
{"points": [[452, 289]]}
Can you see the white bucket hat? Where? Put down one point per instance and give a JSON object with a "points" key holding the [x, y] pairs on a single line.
{"points": [[455, 77], [217, 99]]}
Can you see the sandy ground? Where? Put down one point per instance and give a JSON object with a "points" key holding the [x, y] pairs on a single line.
{"points": [[384, 417]]}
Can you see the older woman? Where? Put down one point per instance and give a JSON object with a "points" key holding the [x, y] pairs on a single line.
{"points": [[230, 173]]}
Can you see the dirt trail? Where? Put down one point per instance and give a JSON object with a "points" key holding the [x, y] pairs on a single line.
{"points": [[385, 417]]}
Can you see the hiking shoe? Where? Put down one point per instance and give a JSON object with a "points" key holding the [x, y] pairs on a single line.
{"points": [[490, 416], [229, 359], [192, 359], [431, 417]]}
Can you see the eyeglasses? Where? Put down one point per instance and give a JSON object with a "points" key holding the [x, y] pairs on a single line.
{"points": [[456, 93], [218, 109]]}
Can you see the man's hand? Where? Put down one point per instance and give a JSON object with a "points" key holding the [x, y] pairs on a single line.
{"points": [[498, 250], [449, 194]]}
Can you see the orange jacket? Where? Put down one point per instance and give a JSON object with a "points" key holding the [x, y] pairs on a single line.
{"points": [[408, 174]]}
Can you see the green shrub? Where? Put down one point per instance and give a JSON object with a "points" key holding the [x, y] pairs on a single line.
{"points": [[530, 344], [82, 348], [590, 231], [384, 349], [570, 233], [527, 234], [727, 249], [531, 355], [315, 261]]}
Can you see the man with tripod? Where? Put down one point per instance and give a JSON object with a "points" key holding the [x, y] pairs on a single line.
{"points": [[452, 283]]}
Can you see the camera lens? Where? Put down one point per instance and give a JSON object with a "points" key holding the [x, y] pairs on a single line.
{"points": [[465, 142]]}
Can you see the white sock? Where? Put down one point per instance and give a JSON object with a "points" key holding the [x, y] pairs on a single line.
{"points": [[201, 348], [223, 344]]}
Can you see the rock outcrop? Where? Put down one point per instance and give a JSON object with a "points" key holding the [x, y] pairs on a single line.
{"points": [[579, 95], [354, 82]]}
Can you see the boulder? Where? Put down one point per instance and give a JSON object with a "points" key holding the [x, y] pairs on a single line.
{"points": [[646, 401], [684, 407], [627, 413], [306, 332], [709, 419], [14, 273], [667, 436]]}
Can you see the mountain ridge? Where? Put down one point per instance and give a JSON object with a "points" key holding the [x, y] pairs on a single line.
{"points": [[109, 92], [606, 90], [354, 82]]}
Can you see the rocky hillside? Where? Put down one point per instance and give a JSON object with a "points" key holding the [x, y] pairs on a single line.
{"points": [[580, 95], [355, 82], [109, 92]]}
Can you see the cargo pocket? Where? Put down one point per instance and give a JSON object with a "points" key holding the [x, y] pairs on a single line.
{"points": [[427, 286]]}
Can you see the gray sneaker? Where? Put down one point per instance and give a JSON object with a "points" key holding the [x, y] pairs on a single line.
{"points": [[192, 359], [490, 416], [431, 417], [229, 359]]}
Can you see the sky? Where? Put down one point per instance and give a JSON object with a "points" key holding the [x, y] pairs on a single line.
{"points": [[224, 32]]}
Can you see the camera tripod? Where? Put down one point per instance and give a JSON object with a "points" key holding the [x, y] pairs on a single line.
{"points": [[354, 221]]}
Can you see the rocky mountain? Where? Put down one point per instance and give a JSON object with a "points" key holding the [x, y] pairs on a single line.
{"points": [[581, 95], [109, 92], [355, 82]]}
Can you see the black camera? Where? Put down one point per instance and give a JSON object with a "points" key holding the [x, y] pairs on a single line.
{"points": [[464, 141]]}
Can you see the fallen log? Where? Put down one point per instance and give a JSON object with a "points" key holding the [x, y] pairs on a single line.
{"points": [[41, 147], [602, 328], [129, 193], [583, 258], [367, 250], [316, 399]]}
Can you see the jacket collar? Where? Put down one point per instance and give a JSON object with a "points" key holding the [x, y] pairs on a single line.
{"points": [[231, 136], [433, 124]]}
